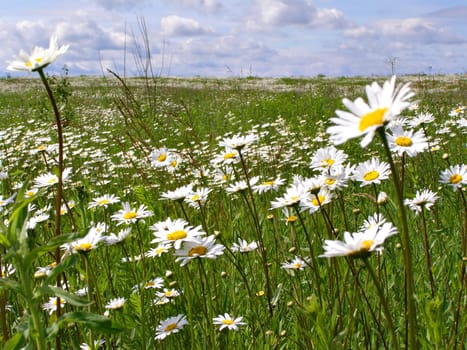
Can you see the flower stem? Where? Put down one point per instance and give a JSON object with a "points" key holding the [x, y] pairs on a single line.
{"points": [[409, 278], [384, 303]]}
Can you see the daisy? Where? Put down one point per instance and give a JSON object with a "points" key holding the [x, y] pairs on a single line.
{"points": [[199, 248], [371, 172], [269, 185], [173, 163], [296, 264], [97, 344], [160, 157], [50, 179], [359, 244], [409, 142], [424, 199], [39, 57], [168, 293], [337, 177], [127, 215], [162, 248], [327, 157], [384, 104], [178, 194], [88, 242], [420, 119], [458, 111], [243, 246], [104, 201], [117, 238], [238, 142], [115, 304], [44, 271], [5, 202], [241, 185], [51, 305], [455, 176], [228, 322], [174, 232], [198, 198], [313, 202], [290, 215], [171, 325], [291, 197], [228, 156]]}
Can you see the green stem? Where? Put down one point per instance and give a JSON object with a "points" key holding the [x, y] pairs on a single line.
{"points": [[411, 316], [384, 303]]}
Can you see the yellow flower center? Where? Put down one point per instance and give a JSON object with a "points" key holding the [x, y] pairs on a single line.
{"points": [[297, 265], [371, 175], [227, 322], [129, 215], [41, 148], [149, 284], [170, 327], [366, 244], [455, 179], [83, 247], [195, 197], [292, 218], [269, 183], [374, 118], [404, 141], [160, 250], [52, 180], [28, 64], [199, 250], [327, 162], [38, 59], [103, 201], [330, 181], [230, 155], [318, 200], [176, 235], [162, 157], [30, 193], [173, 163], [169, 293]]}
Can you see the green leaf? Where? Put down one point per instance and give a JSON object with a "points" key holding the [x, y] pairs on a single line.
{"points": [[98, 323], [70, 298], [6, 283], [15, 342]]}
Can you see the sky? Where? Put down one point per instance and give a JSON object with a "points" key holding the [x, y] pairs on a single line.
{"points": [[239, 38]]}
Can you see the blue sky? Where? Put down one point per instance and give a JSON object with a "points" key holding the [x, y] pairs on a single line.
{"points": [[225, 38]]}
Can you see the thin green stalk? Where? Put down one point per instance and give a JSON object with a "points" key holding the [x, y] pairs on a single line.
{"points": [[411, 316], [427, 254], [384, 303]]}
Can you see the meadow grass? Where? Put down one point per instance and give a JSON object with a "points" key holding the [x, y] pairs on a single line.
{"points": [[140, 138]]}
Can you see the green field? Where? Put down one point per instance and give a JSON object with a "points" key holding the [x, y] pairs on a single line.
{"points": [[162, 146]]}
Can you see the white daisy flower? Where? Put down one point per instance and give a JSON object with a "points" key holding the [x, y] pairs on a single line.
{"points": [[226, 321], [171, 325], [115, 304], [455, 176], [127, 215], [423, 199], [199, 248], [371, 172], [174, 232], [407, 141]]}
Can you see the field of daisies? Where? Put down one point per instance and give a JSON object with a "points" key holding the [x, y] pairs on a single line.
{"points": [[247, 213]]}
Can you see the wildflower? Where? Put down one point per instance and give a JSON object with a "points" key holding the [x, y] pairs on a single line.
{"points": [[50, 179], [31, 192], [116, 238], [115, 304], [51, 305], [408, 142], [227, 321], [241, 185], [327, 157], [7, 270], [173, 163], [296, 264], [336, 178], [290, 215], [97, 344], [199, 248], [371, 172], [66, 206], [103, 201], [171, 325], [291, 197], [425, 198], [198, 198], [243, 246], [174, 232], [455, 176], [422, 118], [88, 242], [269, 185], [159, 157], [178, 194], [127, 215], [238, 142], [39, 57], [5, 202], [314, 201], [43, 271], [162, 248], [384, 105], [458, 111], [359, 244], [228, 156]]}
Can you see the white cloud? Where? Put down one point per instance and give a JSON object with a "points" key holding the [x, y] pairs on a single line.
{"points": [[181, 26], [209, 5], [281, 13], [120, 4]]}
